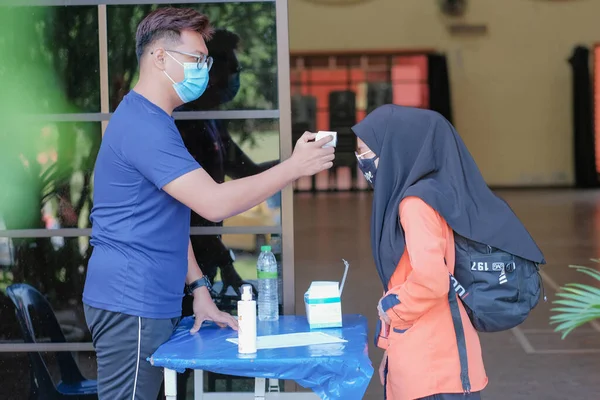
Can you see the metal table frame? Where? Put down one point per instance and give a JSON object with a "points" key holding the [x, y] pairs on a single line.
{"points": [[260, 390]]}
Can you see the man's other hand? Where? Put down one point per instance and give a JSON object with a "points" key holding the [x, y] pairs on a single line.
{"points": [[206, 310]]}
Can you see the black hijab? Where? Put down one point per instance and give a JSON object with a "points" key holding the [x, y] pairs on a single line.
{"points": [[421, 154]]}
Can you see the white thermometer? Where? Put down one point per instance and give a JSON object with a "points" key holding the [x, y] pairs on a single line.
{"points": [[322, 134]]}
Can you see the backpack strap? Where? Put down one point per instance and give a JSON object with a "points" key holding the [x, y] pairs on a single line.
{"points": [[459, 330]]}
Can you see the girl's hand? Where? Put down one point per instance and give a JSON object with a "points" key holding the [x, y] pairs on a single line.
{"points": [[382, 314]]}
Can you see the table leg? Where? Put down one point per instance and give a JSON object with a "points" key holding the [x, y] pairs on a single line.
{"points": [[273, 385], [198, 384], [259, 388], [170, 384]]}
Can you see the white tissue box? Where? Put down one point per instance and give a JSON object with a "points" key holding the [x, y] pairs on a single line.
{"points": [[323, 305]]}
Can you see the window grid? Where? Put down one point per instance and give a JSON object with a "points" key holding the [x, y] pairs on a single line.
{"points": [[286, 227]]}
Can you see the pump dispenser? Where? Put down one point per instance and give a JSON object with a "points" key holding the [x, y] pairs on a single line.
{"points": [[247, 322]]}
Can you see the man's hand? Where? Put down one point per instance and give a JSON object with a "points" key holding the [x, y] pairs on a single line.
{"points": [[206, 310], [382, 368], [383, 315], [310, 158]]}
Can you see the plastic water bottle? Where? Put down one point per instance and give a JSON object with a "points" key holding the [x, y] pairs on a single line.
{"points": [[276, 249], [268, 292]]}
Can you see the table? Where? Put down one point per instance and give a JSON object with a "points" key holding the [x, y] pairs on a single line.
{"points": [[333, 371]]}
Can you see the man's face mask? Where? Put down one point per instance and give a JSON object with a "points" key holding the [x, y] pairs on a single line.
{"points": [[233, 86], [195, 77], [367, 167]]}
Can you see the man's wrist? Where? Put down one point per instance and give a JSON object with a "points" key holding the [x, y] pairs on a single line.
{"points": [[200, 283], [198, 290], [290, 169]]}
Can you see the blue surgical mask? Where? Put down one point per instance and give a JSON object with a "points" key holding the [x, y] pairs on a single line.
{"points": [[195, 81], [368, 168], [233, 86]]}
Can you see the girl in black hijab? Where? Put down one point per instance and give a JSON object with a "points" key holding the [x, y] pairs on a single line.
{"points": [[427, 186]]}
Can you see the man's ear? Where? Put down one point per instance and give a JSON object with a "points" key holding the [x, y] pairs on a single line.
{"points": [[159, 57]]}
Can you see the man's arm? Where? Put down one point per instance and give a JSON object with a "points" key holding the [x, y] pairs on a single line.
{"points": [[194, 272], [216, 202]]}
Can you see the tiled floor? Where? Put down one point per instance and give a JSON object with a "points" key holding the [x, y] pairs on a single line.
{"points": [[530, 362]]}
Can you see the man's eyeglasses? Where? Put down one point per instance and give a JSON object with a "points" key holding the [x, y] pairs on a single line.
{"points": [[201, 59]]}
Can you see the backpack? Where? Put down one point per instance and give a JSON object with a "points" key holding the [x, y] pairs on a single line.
{"points": [[498, 290]]}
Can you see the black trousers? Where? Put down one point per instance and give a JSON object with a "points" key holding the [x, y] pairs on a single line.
{"points": [[123, 343]]}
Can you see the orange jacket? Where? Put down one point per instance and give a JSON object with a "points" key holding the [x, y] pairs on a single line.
{"points": [[421, 341]]}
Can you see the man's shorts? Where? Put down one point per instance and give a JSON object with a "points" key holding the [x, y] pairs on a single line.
{"points": [[123, 343]]}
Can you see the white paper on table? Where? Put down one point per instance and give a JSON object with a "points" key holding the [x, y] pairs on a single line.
{"points": [[292, 340]]}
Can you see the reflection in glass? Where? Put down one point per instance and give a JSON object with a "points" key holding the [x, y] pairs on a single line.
{"points": [[57, 270], [50, 187], [245, 260], [73, 41], [229, 149], [50, 183], [229, 261], [253, 23], [40, 326], [233, 149], [226, 150], [15, 372], [58, 44], [14, 375]]}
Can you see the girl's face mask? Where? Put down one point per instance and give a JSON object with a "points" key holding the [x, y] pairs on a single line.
{"points": [[368, 166]]}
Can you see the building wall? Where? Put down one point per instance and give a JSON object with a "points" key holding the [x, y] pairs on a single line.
{"points": [[511, 88]]}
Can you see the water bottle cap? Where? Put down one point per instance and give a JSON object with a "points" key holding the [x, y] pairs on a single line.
{"points": [[265, 248], [246, 292]]}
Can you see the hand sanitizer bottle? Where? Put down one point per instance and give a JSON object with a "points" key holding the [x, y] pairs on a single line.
{"points": [[247, 322]]}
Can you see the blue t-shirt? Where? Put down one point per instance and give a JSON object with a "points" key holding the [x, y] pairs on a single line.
{"points": [[139, 232]]}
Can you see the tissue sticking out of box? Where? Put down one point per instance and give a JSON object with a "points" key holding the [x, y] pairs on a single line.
{"points": [[323, 302], [346, 266]]}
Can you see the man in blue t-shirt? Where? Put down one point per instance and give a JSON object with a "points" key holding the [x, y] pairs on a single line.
{"points": [[145, 184]]}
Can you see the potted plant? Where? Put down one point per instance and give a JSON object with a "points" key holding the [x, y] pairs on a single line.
{"points": [[578, 304]]}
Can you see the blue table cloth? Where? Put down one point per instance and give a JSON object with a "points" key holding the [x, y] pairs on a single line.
{"points": [[332, 371]]}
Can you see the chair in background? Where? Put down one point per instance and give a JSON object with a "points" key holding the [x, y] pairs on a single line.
{"points": [[33, 310]]}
